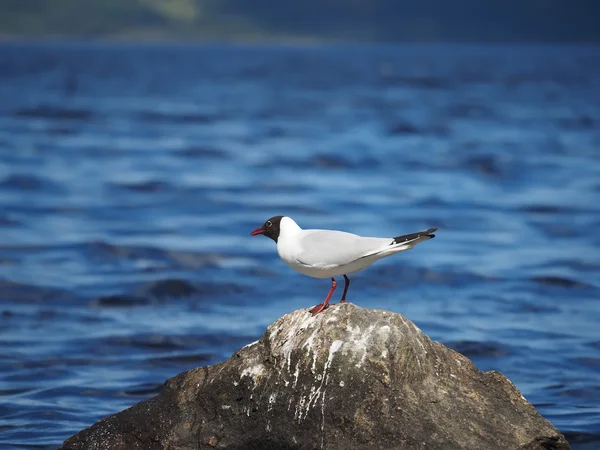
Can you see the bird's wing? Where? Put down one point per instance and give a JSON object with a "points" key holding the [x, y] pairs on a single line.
{"points": [[327, 248]]}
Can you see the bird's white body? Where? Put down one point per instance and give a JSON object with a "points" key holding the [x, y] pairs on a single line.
{"points": [[328, 253]]}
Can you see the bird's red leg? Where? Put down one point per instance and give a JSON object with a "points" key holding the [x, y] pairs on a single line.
{"points": [[321, 306], [343, 300]]}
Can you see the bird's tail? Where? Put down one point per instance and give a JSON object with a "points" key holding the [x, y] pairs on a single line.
{"points": [[414, 238], [403, 243]]}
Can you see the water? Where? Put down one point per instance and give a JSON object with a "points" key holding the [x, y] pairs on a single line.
{"points": [[131, 177]]}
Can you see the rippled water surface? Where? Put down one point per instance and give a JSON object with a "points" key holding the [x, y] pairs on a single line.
{"points": [[130, 178]]}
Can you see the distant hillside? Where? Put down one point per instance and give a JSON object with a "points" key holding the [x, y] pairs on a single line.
{"points": [[363, 20]]}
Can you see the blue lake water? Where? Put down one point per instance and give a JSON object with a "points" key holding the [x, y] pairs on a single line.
{"points": [[131, 177]]}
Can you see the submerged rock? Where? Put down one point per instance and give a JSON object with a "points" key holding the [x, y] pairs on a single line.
{"points": [[348, 378]]}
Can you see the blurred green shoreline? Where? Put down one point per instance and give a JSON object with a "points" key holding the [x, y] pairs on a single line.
{"points": [[309, 21]]}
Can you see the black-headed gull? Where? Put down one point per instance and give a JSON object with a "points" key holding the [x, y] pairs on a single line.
{"points": [[329, 253]]}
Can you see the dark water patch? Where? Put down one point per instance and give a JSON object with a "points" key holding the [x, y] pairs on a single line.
{"points": [[595, 345], [441, 130], [577, 123], [275, 132], [172, 348], [162, 290], [592, 363], [189, 360], [198, 152], [578, 265], [582, 441], [150, 186], [474, 349], [319, 161], [549, 335], [152, 342], [407, 275], [170, 288], [407, 128], [47, 314], [530, 307], [470, 146], [544, 405], [119, 301], [44, 315], [27, 182], [14, 391], [62, 130], [330, 161], [178, 288], [471, 111], [143, 391], [48, 413], [8, 221], [163, 117], [588, 393], [552, 280], [51, 369], [555, 230], [296, 109], [402, 128], [540, 77], [543, 209], [388, 78], [54, 112], [14, 292], [483, 164], [471, 76], [256, 71], [32, 446]]}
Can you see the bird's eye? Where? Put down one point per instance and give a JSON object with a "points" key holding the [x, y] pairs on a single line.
{"points": [[268, 223]]}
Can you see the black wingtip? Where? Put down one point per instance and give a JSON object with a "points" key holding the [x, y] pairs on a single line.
{"points": [[411, 237], [431, 231]]}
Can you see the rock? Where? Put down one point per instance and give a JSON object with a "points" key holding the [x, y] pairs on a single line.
{"points": [[348, 378]]}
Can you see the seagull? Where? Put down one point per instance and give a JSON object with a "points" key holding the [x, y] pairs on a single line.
{"points": [[330, 253]]}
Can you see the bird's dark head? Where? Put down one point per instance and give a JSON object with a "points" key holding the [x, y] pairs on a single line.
{"points": [[271, 228]]}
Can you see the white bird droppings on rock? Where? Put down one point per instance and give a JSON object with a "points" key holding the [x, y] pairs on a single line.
{"points": [[250, 344], [253, 372]]}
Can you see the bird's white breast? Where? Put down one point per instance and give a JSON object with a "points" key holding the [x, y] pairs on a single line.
{"points": [[288, 244]]}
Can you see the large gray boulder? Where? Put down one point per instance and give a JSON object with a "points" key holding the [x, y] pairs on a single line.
{"points": [[348, 378]]}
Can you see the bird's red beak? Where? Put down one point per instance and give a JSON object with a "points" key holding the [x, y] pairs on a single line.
{"points": [[257, 232]]}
